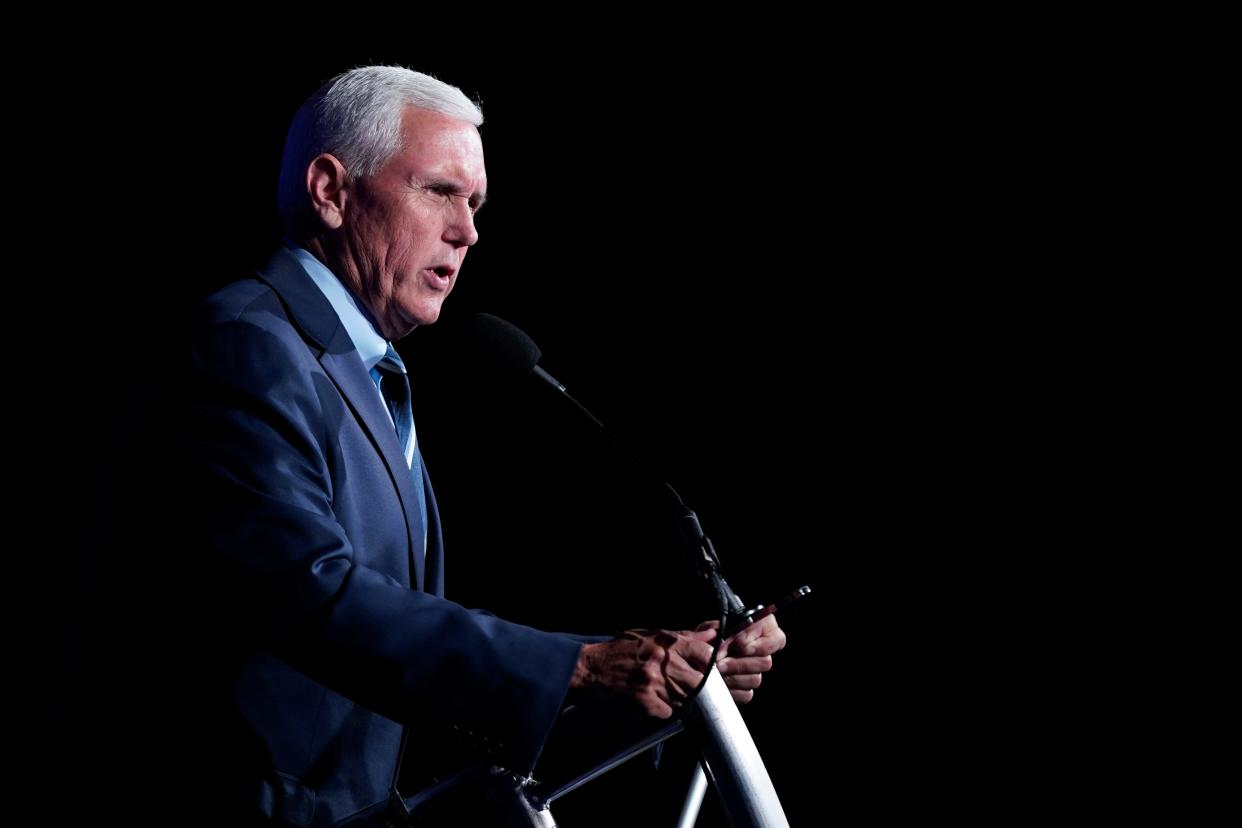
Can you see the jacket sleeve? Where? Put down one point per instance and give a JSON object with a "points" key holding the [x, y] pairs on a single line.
{"points": [[284, 575]]}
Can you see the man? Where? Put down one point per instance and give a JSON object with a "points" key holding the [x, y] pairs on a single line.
{"points": [[320, 524]]}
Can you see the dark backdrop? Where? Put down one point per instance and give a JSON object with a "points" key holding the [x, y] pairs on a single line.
{"points": [[744, 267]]}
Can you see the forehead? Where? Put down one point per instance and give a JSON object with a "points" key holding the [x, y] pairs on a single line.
{"points": [[441, 144]]}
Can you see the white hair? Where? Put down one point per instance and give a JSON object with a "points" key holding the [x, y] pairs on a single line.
{"points": [[356, 116]]}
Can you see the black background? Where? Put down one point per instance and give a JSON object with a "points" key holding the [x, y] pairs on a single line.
{"points": [[759, 267]]}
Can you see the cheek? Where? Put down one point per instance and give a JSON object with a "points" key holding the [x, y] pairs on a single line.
{"points": [[399, 263], [376, 252], [409, 249]]}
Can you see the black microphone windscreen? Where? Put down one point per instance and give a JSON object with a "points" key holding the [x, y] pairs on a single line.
{"points": [[503, 346]]}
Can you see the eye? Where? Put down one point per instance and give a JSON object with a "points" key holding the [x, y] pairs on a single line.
{"points": [[443, 191], [447, 192]]}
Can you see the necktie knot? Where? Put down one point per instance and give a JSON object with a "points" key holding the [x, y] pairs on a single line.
{"points": [[391, 361]]}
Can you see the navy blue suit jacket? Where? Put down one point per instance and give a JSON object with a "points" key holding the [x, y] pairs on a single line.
{"points": [[332, 630]]}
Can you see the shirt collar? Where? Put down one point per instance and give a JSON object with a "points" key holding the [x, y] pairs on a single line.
{"points": [[371, 346]]}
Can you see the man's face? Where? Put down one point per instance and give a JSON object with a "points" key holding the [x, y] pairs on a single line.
{"points": [[407, 228]]}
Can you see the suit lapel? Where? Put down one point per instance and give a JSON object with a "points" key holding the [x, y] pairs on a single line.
{"points": [[351, 378], [314, 315], [434, 580]]}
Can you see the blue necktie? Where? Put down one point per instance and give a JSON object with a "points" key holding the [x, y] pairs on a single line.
{"points": [[394, 385], [390, 377]]}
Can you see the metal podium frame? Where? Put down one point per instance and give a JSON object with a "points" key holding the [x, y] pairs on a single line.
{"points": [[726, 752]]}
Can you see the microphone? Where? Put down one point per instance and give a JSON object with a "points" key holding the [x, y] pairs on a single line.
{"points": [[506, 350]]}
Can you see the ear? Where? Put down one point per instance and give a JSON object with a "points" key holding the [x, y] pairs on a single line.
{"points": [[327, 184]]}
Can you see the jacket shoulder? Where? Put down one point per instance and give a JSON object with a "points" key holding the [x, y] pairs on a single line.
{"points": [[249, 297]]}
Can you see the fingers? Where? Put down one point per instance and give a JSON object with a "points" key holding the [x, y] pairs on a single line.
{"points": [[667, 667], [661, 668], [647, 684], [699, 651], [745, 681], [653, 705], [759, 639], [742, 696], [763, 637], [686, 666], [752, 664]]}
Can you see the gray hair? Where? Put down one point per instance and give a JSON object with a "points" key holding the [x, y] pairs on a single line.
{"points": [[356, 116]]}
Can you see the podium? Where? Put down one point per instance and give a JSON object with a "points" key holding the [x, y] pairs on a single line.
{"points": [[727, 754]]}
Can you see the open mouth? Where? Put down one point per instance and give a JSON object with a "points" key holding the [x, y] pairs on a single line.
{"points": [[440, 276]]}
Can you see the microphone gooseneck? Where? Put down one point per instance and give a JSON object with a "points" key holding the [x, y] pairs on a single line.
{"points": [[505, 349]]}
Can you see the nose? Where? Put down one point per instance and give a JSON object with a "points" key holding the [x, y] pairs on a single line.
{"points": [[459, 230]]}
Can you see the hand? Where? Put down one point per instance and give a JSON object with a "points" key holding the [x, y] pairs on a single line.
{"points": [[744, 658], [655, 669]]}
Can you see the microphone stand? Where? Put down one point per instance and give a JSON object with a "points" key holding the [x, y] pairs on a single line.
{"points": [[702, 552], [728, 753]]}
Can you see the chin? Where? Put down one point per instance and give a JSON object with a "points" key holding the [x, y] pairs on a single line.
{"points": [[429, 316], [422, 316]]}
